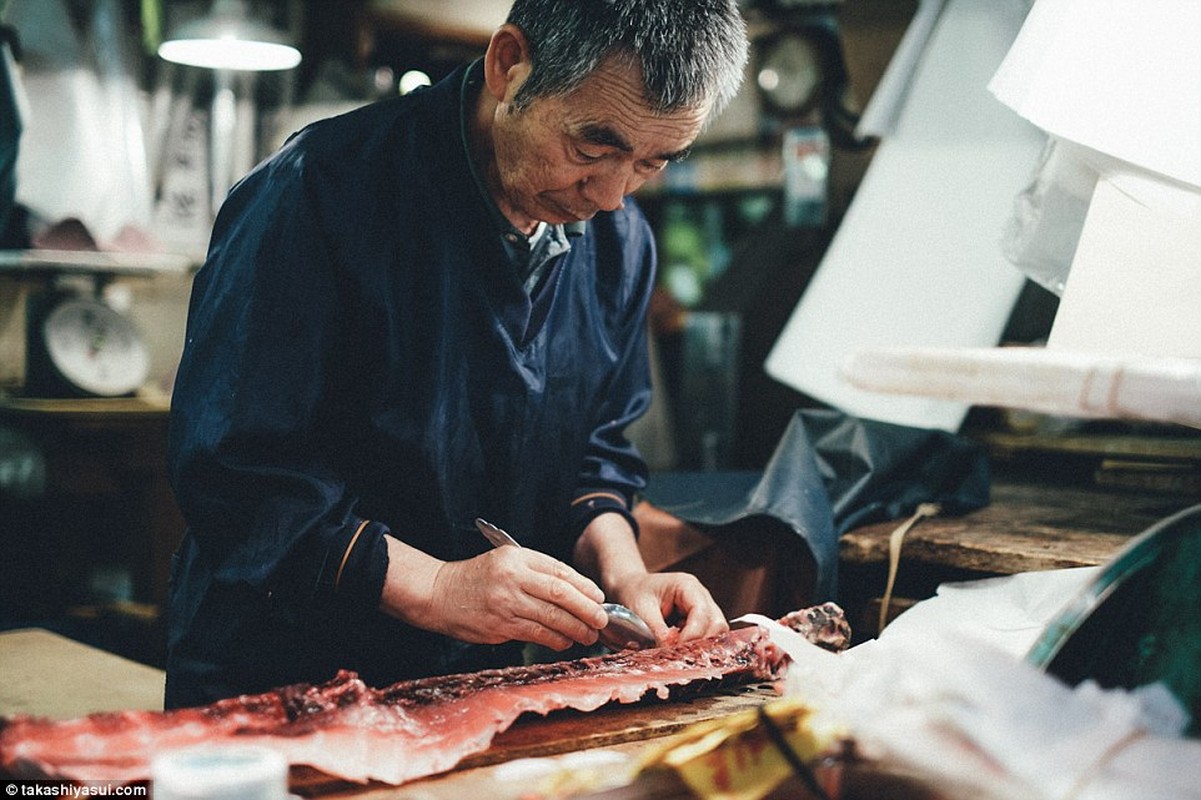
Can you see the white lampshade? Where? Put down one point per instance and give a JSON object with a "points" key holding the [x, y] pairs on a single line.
{"points": [[1117, 76], [228, 38]]}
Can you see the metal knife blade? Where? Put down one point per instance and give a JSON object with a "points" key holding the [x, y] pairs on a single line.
{"points": [[494, 534]]}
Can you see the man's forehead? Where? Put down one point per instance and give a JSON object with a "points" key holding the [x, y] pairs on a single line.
{"points": [[608, 135], [630, 128]]}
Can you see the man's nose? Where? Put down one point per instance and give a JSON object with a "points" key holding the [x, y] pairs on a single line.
{"points": [[606, 189]]}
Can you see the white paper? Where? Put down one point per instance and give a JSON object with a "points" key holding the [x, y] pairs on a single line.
{"points": [[1135, 284], [917, 260], [985, 725], [1008, 613]]}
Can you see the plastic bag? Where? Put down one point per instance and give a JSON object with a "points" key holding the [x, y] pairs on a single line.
{"points": [[832, 472]]}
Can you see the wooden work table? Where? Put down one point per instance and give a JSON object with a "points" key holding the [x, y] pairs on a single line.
{"points": [[49, 675], [1026, 527]]}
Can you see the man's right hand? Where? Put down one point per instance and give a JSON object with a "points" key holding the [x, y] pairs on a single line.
{"points": [[510, 593]]}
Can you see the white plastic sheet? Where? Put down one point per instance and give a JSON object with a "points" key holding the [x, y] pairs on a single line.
{"points": [[945, 692]]}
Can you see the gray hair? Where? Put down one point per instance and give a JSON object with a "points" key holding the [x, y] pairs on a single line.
{"points": [[690, 51]]}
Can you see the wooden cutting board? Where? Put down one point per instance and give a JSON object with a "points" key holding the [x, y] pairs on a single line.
{"points": [[533, 736], [566, 731]]}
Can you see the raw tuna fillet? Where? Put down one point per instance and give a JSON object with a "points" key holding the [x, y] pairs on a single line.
{"points": [[405, 731]]}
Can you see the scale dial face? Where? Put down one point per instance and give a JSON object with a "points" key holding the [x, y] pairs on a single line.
{"points": [[96, 349], [789, 73]]}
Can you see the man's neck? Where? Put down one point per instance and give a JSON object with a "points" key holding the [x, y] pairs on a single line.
{"points": [[480, 133]]}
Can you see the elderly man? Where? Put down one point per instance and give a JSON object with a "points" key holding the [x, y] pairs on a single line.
{"points": [[426, 311]]}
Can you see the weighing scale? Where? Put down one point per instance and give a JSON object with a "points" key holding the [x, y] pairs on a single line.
{"points": [[77, 344]]}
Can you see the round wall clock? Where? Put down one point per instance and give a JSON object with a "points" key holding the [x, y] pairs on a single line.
{"points": [[789, 73]]}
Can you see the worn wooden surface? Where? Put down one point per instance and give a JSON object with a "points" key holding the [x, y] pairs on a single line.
{"points": [[45, 674], [1185, 448], [565, 731], [84, 408], [1025, 528]]}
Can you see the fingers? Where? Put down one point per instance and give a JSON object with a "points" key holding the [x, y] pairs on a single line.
{"points": [[652, 615], [660, 597], [703, 616], [561, 601], [560, 575], [518, 594], [703, 620], [555, 629]]}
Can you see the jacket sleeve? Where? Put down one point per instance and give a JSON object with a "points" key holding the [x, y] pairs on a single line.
{"points": [[614, 472], [263, 331]]}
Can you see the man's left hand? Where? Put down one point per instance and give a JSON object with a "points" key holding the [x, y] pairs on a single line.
{"points": [[666, 598]]}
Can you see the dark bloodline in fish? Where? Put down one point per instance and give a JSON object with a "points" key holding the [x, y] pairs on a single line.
{"points": [[404, 731]]}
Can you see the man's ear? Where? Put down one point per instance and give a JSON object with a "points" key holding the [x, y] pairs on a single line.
{"points": [[507, 62]]}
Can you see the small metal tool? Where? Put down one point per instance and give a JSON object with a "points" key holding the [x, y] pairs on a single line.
{"points": [[625, 631], [498, 537]]}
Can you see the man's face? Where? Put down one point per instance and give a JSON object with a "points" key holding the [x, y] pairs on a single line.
{"points": [[563, 159]]}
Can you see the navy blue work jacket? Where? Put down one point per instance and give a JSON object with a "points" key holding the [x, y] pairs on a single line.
{"points": [[361, 358]]}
